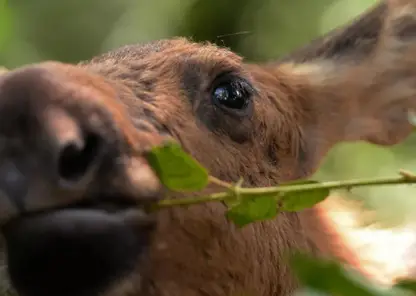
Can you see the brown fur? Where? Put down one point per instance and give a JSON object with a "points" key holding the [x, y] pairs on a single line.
{"points": [[355, 84]]}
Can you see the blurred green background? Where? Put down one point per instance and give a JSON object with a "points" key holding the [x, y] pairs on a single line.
{"points": [[74, 30]]}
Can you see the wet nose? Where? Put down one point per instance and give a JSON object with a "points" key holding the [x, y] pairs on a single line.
{"points": [[59, 161], [75, 151], [41, 139], [60, 143]]}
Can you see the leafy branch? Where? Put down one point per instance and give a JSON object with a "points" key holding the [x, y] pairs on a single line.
{"points": [[179, 172], [283, 190]]}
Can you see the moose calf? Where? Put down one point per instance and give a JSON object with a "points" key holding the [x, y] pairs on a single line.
{"points": [[74, 180]]}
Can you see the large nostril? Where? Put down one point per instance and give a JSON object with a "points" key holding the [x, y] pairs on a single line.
{"points": [[76, 158], [77, 149]]}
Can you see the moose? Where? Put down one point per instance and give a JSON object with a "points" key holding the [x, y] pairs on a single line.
{"points": [[74, 181]]}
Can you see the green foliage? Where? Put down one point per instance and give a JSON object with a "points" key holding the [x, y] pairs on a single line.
{"points": [[176, 169], [258, 208], [253, 209], [297, 201]]}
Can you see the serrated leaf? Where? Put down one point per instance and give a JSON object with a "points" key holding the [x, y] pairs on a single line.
{"points": [[330, 277], [297, 201], [252, 209], [176, 169]]}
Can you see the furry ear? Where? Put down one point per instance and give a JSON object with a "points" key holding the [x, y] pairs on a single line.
{"points": [[362, 92]]}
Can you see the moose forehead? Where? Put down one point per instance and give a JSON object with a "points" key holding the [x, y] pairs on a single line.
{"points": [[155, 65]]}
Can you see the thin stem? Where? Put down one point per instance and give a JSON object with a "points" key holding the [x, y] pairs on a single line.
{"points": [[331, 185], [219, 182], [404, 178]]}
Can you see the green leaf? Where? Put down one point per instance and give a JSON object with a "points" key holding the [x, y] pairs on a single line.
{"points": [[176, 169], [407, 284], [253, 209], [330, 277], [296, 201]]}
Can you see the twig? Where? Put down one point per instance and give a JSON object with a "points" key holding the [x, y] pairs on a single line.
{"points": [[404, 178], [219, 182]]}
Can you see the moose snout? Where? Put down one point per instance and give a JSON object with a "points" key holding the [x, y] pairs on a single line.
{"points": [[65, 165], [71, 190], [47, 154]]}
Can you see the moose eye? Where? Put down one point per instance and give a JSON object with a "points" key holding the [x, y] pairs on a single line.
{"points": [[232, 94]]}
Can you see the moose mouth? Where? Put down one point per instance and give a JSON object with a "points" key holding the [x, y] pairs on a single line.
{"points": [[78, 250]]}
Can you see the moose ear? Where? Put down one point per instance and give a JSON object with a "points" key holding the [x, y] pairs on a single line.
{"points": [[362, 89]]}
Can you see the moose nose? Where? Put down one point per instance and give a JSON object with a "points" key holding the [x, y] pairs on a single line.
{"points": [[60, 142], [63, 166], [45, 149], [74, 150]]}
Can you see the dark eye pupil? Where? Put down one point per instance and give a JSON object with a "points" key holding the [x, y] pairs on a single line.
{"points": [[231, 96]]}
